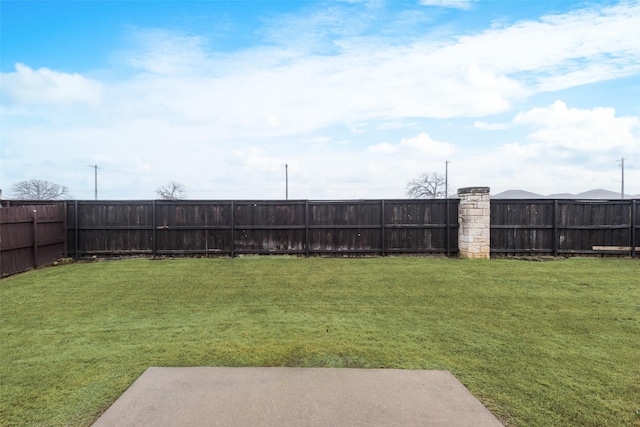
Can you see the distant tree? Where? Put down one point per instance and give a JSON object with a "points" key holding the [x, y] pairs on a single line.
{"points": [[36, 189], [172, 191], [427, 186]]}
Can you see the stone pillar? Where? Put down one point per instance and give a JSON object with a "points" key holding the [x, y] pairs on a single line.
{"points": [[474, 232]]}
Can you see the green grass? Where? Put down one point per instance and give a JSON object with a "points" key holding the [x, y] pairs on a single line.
{"points": [[539, 343]]}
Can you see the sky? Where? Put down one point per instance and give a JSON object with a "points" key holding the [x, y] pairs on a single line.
{"points": [[329, 99]]}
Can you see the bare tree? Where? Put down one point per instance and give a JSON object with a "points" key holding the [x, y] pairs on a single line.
{"points": [[36, 189], [427, 186], [172, 191]]}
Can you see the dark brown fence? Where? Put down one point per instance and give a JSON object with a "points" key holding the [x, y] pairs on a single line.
{"points": [[303, 227], [556, 227], [262, 227], [31, 236]]}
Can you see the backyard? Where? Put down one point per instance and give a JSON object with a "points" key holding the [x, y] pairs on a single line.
{"points": [[539, 343]]}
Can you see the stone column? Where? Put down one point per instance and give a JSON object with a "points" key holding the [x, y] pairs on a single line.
{"points": [[474, 226]]}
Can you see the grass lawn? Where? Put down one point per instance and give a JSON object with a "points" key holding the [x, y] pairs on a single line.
{"points": [[539, 343]]}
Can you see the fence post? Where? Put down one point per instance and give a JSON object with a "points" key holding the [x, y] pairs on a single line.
{"points": [[233, 233], [35, 238], [65, 233], [382, 243], [306, 228], [154, 233], [447, 230], [474, 218], [555, 228], [77, 237], [634, 218]]}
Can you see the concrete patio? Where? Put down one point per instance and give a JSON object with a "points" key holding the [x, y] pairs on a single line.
{"points": [[296, 397]]}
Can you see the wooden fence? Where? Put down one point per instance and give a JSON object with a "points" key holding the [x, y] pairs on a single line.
{"points": [[560, 227], [31, 236], [302, 227]]}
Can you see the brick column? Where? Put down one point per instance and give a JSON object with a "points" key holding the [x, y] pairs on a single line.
{"points": [[474, 232]]}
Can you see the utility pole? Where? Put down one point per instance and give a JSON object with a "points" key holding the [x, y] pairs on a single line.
{"points": [[95, 168], [286, 177], [446, 179], [622, 166]]}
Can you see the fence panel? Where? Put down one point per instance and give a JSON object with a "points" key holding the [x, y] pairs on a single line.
{"points": [[421, 226], [269, 227], [342, 227], [30, 236], [192, 227], [113, 228], [553, 227], [521, 227], [587, 227]]}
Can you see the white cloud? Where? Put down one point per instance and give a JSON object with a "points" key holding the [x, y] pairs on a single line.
{"points": [[490, 126], [43, 86], [457, 4], [422, 144], [164, 52], [557, 51], [597, 129], [274, 91], [528, 152], [566, 150], [249, 91], [256, 160]]}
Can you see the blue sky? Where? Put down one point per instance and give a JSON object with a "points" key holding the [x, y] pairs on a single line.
{"points": [[356, 97]]}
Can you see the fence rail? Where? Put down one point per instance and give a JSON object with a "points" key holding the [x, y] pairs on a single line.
{"points": [[558, 227], [31, 236]]}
